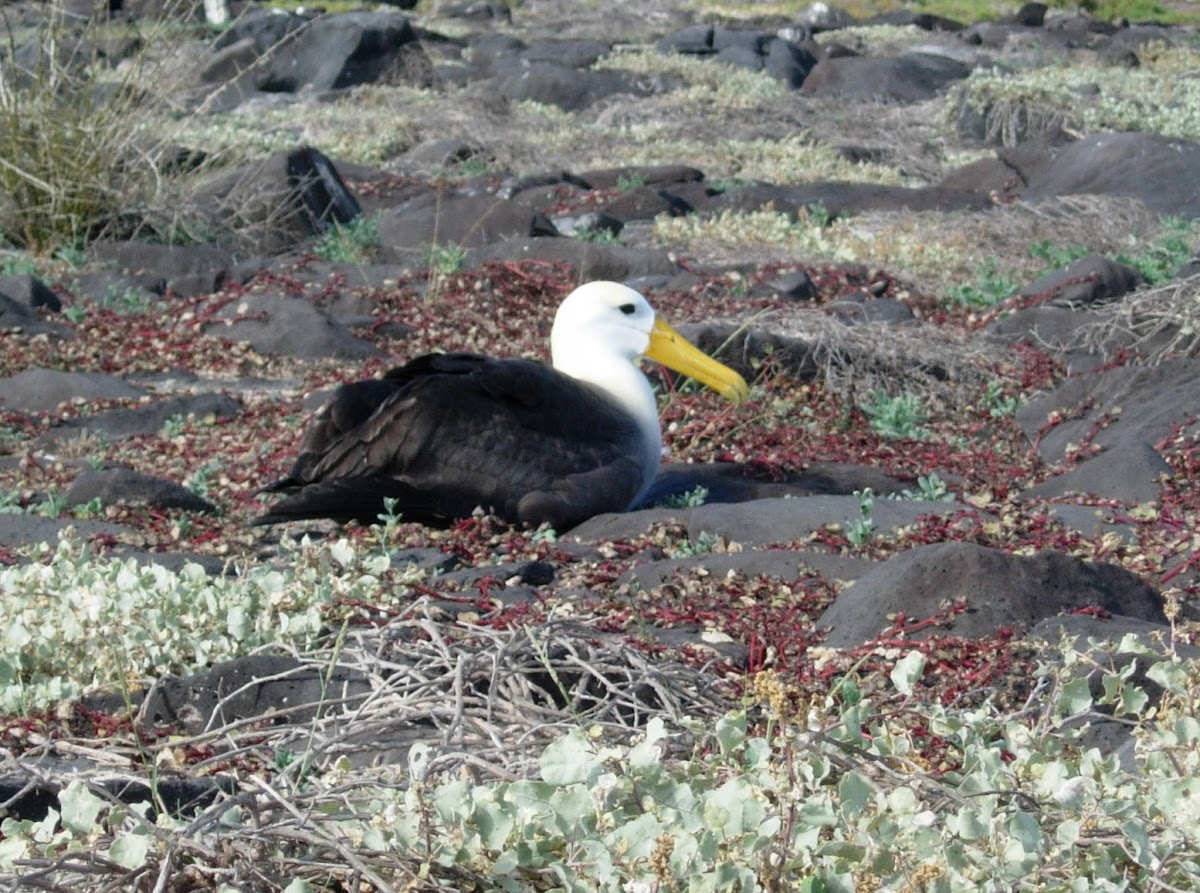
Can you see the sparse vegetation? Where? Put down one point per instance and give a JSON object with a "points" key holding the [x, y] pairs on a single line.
{"points": [[998, 404], [18, 264], [445, 259], [930, 488], [1162, 260], [626, 182], [807, 794], [896, 418], [860, 530], [1017, 106], [989, 288], [1056, 256], [74, 137], [702, 544], [687, 499], [599, 234], [350, 242], [471, 167], [125, 300], [200, 481]]}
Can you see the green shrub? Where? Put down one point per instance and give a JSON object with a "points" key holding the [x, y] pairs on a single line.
{"points": [[861, 530], [828, 795], [895, 418], [1055, 257], [186, 619], [1160, 260], [446, 259], [351, 242], [989, 288]]}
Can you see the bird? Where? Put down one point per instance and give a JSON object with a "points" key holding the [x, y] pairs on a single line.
{"points": [[448, 434]]}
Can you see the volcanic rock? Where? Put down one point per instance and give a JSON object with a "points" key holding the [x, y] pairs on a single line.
{"points": [[997, 591], [42, 390]]}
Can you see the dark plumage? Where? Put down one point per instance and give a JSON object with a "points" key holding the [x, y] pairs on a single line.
{"points": [[514, 437], [449, 433]]}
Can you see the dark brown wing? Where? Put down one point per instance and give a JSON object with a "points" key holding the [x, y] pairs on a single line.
{"points": [[451, 432]]}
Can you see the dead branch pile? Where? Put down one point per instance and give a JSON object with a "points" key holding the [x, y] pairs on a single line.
{"points": [[944, 367], [1158, 323], [485, 701]]}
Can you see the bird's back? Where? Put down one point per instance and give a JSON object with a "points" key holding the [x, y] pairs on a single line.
{"points": [[447, 433]]}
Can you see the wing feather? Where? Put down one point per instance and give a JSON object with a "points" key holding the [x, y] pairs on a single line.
{"points": [[448, 433]]}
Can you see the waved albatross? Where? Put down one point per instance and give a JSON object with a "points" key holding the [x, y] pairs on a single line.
{"points": [[447, 433]]}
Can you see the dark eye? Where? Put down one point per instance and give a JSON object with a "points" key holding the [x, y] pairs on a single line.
{"points": [[628, 309]]}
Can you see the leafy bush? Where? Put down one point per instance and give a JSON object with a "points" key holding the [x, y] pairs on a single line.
{"points": [[445, 259], [831, 795], [185, 620], [352, 242], [1161, 260], [1055, 257], [896, 418], [860, 530], [989, 289]]}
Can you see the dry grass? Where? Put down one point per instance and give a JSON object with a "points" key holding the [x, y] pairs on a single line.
{"points": [[77, 156], [946, 367], [1159, 323], [940, 250], [491, 700], [487, 702]]}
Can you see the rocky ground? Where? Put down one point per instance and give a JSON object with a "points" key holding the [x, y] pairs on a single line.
{"points": [[955, 260]]}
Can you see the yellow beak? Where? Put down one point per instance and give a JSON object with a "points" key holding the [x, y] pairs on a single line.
{"points": [[671, 349]]}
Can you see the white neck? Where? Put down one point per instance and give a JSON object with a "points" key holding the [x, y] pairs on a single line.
{"points": [[624, 383]]}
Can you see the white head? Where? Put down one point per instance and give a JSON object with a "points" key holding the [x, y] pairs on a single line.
{"points": [[600, 317], [599, 332], [603, 325]]}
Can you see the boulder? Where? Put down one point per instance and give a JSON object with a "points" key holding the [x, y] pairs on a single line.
{"points": [[347, 49], [290, 326], [464, 221], [1161, 171], [908, 77], [18, 530], [998, 591], [587, 260], [840, 199], [181, 270], [114, 424], [42, 390], [29, 291], [16, 317], [127, 486], [570, 89], [1131, 472], [1090, 280], [763, 521], [1120, 406]]}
